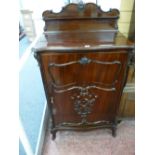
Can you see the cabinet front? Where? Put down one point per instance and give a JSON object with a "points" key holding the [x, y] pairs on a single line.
{"points": [[84, 87]]}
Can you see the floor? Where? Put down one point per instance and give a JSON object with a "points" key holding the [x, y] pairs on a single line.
{"points": [[96, 142]]}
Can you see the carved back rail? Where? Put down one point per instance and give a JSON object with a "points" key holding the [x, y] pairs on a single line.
{"points": [[75, 17]]}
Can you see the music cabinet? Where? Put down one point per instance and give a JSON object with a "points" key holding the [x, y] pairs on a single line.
{"points": [[83, 60]]}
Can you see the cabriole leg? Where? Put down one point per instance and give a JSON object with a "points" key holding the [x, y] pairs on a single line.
{"points": [[114, 127], [53, 132], [114, 131]]}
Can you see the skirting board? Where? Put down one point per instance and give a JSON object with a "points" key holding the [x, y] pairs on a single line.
{"points": [[42, 131]]}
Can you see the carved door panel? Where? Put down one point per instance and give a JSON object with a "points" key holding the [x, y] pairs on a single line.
{"points": [[84, 87]]}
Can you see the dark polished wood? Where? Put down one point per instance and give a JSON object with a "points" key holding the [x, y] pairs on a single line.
{"points": [[86, 17], [72, 11], [83, 61]]}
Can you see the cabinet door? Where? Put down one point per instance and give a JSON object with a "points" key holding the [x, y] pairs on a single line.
{"points": [[84, 87]]}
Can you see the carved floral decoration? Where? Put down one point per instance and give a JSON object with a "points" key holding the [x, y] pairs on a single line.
{"points": [[83, 103]]}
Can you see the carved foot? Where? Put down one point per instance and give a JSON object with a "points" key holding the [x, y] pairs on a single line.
{"points": [[53, 134], [114, 127], [114, 131]]}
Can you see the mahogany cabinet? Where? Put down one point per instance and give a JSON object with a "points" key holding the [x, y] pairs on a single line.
{"points": [[83, 61]]}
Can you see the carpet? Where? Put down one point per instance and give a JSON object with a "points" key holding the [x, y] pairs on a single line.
{"points": [[94, 142]]}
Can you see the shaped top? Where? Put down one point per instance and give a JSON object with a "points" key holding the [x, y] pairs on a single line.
{"points": [[81, 11]]}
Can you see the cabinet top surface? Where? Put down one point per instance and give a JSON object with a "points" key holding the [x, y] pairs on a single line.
{"points": [[82, 41]]}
